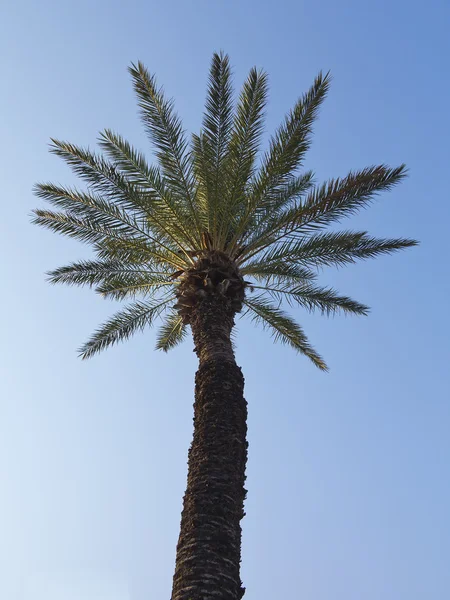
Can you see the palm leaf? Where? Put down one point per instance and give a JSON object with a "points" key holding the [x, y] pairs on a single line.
{"points": [[163, 212], [259, 226], [171, 333], [88, 231], [286, 150], [100, 175], [277, 271], [120, 287], [95, 272], [122, 325], [166, 132], [217, 122], [340, 198], [330, 249], [283, 328], [103, 213], [244, 145], [291, 141], [328, 203], [107, 180], [312, 298]]}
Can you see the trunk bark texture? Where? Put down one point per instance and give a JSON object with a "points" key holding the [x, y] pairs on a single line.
{"points": [[209, 546]]}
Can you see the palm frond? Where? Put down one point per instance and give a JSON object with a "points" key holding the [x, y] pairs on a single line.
{"points": [[114, 186], [103, 236], [217, 122], [123, 286], [291, 192], [163, 211], [288, 195], [137, 253], [331, 249], [202, 173], [166, 132], [340, 198], [209, 148], [99, 174], [81, 229], [312, 297], [103, 213], [328, 203], [218, 116], [287, 149], [283, 328], [244, 144], [292, 139], [247, 130], [281, 271], [96, 219], [122, 325], [171, 333], [95, 272]]}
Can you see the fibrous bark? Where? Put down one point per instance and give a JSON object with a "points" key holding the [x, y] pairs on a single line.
{"points": [[209, 546]]}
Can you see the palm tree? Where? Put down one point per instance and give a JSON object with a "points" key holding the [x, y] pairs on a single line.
{"points": [[210, 231]]}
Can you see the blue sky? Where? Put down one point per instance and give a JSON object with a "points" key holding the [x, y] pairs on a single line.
{"points": [[348, 472]]}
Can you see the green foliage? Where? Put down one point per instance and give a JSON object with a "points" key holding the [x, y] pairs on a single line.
{"points": [[147, 223], [312, 298], [282, 327], [165, 130], [171, 333], [327, 249], [123, 324]]}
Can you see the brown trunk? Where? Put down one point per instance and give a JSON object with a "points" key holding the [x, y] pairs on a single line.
{"points": [[209, 546]]}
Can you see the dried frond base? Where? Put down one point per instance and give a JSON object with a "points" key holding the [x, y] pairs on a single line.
{"points": [[212, 274]]}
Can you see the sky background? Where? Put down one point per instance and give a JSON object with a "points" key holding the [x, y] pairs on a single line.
{"points": [[348, 473]]}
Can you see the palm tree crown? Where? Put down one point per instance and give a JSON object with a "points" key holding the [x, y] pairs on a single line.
{"points": [[212, 216]]}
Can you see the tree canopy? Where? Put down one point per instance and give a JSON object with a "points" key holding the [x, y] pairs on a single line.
{"points": [[148, 223]]}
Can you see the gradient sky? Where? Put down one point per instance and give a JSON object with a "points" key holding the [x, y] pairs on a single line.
{"points": [[348, 474]]}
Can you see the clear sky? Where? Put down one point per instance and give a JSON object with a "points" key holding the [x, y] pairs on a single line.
{"points": [[348, 475]]}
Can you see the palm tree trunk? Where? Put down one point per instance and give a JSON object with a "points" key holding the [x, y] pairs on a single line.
{"points": [[209, 546]]}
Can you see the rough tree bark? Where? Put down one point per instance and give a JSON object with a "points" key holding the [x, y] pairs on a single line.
{"points": [[209, 547]]}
